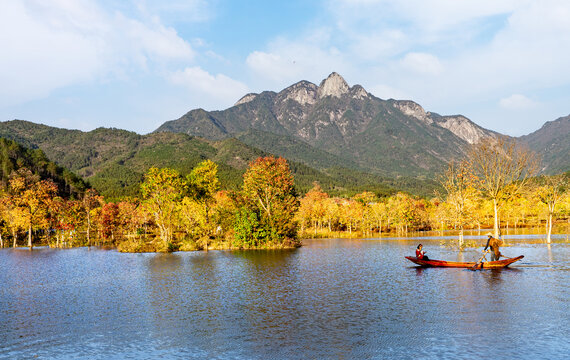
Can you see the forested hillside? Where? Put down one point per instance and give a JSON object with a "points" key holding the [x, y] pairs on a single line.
{"points": [[13, 156], [113, 161]]}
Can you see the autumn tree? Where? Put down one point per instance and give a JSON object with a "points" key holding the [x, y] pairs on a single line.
{"points": [[378, 212], [503, 168], [223, 211], [3, 213], [203, 183], [131, 216], [268, 192], [33, 196], [459, 184], [60, 219], [312, 208], [162, 189], [91, 200], [550, 190], [12, 216], [365, 200], [109, 221]]}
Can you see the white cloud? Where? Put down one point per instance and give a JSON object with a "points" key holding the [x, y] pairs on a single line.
{"points": [[387, 92], [288, 61], [176, 10], [422, 63], [211, 89], [517, 102], [50, 46]]}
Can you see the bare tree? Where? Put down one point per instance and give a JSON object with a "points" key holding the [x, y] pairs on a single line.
{"points": [[503, 168], [459, 184], [550, 190]]}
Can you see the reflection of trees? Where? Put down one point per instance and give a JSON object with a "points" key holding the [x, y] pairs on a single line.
{"points": [[270, 295]]}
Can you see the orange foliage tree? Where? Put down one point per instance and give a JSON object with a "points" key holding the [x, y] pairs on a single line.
{"points": [[270, 203], [33, 196]]}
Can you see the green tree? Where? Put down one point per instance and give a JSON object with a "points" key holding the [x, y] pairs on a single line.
{"points": [[203, 183], [162, 190]]}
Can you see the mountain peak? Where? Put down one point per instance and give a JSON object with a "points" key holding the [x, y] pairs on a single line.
{"points": [[333, 85], [303, 92], [246, 98], [412, 109]]}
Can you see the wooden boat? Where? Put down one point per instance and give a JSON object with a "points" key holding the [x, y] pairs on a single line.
{"points": [[454, 264]]}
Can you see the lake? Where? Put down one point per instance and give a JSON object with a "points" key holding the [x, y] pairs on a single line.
{"points": [[341, 299]]}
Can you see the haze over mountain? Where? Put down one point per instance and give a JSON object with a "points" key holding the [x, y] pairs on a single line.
{"points": [[342, 125]]}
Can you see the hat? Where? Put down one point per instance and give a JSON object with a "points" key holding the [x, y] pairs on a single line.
{"points": [[488, 234]]}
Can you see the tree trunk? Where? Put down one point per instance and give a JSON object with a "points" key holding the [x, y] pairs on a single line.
{"points": [[14, 237], [30, 236], [496, 224], [1, 241], [549, 232], [88, 229]]}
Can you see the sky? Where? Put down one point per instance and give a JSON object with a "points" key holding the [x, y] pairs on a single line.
{"points": [[134, 64]]}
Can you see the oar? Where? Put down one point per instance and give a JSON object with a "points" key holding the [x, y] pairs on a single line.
{"points": [[481, 259]]}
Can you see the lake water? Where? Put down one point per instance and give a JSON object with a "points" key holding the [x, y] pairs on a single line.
{"points": [[341, 299]]}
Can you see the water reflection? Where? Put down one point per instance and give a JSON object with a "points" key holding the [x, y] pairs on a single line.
{"points": [[330, 299]]}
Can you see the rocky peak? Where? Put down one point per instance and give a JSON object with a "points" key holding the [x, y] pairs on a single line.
{"points": [[413, 109], [333, 85], [303, 92], [358, 92], [463, 128], [245, 99]]}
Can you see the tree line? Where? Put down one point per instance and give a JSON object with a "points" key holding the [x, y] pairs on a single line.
{"points": [[495, 184], [174, 212]]}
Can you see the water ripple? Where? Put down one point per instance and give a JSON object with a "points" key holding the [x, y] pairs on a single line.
{"points": [[330, 299]]}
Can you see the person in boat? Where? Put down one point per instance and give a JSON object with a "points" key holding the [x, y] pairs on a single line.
{"points": [[420, 254], [494, 244]]}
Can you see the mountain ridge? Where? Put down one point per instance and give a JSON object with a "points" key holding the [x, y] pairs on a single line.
{"points": [[114, 161], [387, 137], [551, 142]]}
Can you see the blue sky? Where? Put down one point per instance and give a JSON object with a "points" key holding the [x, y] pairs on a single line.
{"points": [[134, 64]]}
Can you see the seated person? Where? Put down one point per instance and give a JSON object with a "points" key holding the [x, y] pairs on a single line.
{"points": [[420, 254]]}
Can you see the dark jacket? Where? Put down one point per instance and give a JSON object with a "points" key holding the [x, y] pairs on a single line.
{"points": [[494, 244]]}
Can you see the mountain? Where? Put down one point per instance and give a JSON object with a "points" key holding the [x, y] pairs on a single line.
{"points": [[552, 142], [336, 124], [14, 156], [114, 161]]}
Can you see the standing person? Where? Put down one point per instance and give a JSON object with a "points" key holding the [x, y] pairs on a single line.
{"points": [[420, 254], [494, 244]]}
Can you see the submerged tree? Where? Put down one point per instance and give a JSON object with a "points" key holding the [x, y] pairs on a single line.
{"points": [[503, 168], [33, 196], [459, 184], [550, 191], [91, 200]]}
